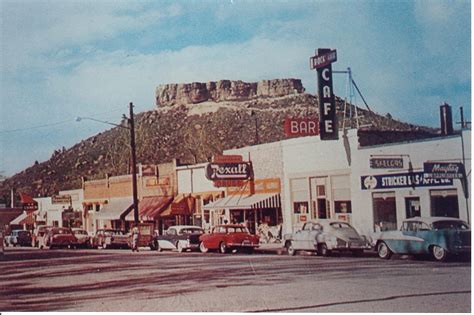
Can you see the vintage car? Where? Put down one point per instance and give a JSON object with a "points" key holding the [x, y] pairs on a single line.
{"points": [[438, 236], [109, 238], [82, 237], [179, 237], [18, 238], [324, 236], [59, 237], [228, 237]]}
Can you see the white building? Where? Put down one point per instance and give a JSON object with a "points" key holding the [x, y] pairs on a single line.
{"points": [[324, 179]]}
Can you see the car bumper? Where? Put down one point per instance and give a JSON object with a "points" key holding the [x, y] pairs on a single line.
{"points": [[461, 250], [242, 245]]}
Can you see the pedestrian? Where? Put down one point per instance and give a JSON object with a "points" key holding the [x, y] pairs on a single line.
{"points": [[135, 239]]}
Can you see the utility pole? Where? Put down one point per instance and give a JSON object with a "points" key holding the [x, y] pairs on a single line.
{"points": [[465, 183], [134, 165]]}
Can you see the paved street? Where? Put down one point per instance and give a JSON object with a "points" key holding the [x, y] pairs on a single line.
{"points": [[119, 280]]}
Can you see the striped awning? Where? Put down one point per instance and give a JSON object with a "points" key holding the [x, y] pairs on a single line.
{"points": [[150, 207], [257, 201]]}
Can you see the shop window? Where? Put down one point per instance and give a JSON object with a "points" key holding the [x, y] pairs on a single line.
{"points": [[300, 207], [444, 203], [385, 211], [412, 207], [343, 206]]}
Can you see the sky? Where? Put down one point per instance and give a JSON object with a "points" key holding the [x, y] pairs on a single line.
{"points": [[65, 59]]}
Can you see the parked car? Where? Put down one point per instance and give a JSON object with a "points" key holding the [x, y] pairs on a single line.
{"points": [[179, 237], [82, 237], [438, 236], [39, 236], [146, 238], [108, 238], [324, 236], [18, 238], [228, 237], [60, 237]]}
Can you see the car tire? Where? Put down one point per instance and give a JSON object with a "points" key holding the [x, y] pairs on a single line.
{"points": [[249, 250], [439, 253], [223, 248], [323, 250], [158, 247], [203, 248], [179, 247], [384, 251], [290, 249]]}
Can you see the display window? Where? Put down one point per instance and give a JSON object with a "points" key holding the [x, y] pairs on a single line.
{"points": [[412, 207], [444, 203], [385, 211]]}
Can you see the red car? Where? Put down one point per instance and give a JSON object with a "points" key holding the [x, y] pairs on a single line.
{"points": [[228, 237], [60, 237]]}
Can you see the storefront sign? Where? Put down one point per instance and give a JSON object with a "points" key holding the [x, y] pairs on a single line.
{"points": [[444, 170], [386, 163], [402, 180], [61, 199], [230, 183], [299, 127], [227, 158], [322, 60], [229, 171], [327, 105]]}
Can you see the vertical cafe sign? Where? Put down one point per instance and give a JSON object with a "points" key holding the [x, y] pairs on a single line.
{"points": [[327, 106]]}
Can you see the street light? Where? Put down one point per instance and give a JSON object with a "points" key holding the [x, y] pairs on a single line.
{"points": [[134, 155]]}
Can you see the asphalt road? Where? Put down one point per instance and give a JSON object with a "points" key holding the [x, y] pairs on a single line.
{"points": [[119, 280]]}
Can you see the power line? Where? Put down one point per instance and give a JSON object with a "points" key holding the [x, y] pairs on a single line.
{"points": [[55, 123]]}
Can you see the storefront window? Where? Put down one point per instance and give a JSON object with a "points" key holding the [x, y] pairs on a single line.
{"points": [[300, 207], [385, 211], [343, 206], [444, 203], [412, 207]]}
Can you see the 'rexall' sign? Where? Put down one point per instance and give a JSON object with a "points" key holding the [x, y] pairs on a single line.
{"points": [[327, 104]]}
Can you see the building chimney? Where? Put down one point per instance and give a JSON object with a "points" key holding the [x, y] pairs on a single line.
{"points": [[446, 119]]}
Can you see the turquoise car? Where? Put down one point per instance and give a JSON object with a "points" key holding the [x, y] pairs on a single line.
{"points": [[437, 236]]}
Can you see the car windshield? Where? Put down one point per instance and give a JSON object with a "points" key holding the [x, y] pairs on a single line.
{"points": [[450, 224], [192, 231], [80, 232], [341, 225], [237, 229]]}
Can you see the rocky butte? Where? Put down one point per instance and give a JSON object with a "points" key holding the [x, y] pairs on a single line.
{"points": [[225, 90]]}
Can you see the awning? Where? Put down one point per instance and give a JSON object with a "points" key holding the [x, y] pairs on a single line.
{"points": [[257, 201], [149, 207], [182, 205], [24, 218], [114, 209]]}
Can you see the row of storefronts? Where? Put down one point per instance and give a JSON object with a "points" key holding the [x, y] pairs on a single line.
{"points": [[294, 181]]}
